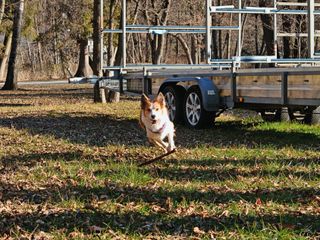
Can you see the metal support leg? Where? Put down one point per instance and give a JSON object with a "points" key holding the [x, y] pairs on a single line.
{"points": [[234, 84], [145, 82], [284, 88], [121, 90]]}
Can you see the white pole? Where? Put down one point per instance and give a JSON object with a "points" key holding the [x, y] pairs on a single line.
{"points": [[101, 36], [208, 31], [124, 32], [311, 27], [275, 30], [240, 31]]}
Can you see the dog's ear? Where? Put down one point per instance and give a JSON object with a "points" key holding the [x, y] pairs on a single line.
{"points": [[160, 99], [144, 101]]}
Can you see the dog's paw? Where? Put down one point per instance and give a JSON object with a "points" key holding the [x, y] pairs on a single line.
{"points": [[171, 148]]}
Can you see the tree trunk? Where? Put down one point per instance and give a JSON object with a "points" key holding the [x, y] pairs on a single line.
{"points": [[31, 57], [11, 80], [4, 61], [3, 4], [97, 25], [157, 40], [110, 50], [286, 40], [84, 69], [267, 29], [39, 45], [185, 48]]}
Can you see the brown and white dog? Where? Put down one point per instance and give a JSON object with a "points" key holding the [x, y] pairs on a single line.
{"points": [[154, 118]]}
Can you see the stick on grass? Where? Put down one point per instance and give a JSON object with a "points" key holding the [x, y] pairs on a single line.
{"points": [[157, 158]]}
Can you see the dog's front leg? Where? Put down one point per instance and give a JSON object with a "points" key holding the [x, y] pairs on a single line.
{"points": [[171, 145], [160, 144]]}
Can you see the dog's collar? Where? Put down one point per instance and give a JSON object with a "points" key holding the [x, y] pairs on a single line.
{"points": [[160, 130]]}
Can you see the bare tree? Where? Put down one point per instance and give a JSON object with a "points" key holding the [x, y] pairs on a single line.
{"points": [[11, 80], [97, 25], [156, 13]]}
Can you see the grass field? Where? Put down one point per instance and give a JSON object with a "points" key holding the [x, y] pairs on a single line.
{"points": [[68, 170]]}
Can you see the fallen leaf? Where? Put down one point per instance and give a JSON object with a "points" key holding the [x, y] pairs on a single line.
{"points": [[197, 230]]}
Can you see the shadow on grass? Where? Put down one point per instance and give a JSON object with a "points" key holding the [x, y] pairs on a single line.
{"points": [[243, 162], [99, 130], [135, 222], [158, 196], [14, 105], [212, 175], [237, 133], [28, 160]]}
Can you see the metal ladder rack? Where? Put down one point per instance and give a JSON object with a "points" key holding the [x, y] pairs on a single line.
{"points": [[275, 11], [211, 63]]}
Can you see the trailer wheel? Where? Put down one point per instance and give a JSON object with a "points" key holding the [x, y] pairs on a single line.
{"points": [[174, 96], [194, 113], [313, 116]]}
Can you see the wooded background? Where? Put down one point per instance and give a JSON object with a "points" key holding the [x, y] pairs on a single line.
{"points": [[55, 35]]}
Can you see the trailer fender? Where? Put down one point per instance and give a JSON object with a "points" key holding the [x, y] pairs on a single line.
{"points": [[209, 91]]}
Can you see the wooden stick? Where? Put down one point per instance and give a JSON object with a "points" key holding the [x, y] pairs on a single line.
{"points": [[157, 158]]}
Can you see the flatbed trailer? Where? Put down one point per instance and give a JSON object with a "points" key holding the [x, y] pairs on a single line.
{"points": [[197, 96], [199, 93]]}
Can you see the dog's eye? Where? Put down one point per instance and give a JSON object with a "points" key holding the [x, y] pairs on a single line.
{"points": [[157, 109], [149, 110]]}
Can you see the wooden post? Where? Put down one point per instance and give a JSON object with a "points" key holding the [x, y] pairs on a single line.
{"points": [[114, 96], [103, 95]]}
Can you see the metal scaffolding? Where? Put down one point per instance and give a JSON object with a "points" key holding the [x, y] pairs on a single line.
{"points": [[234, 61]]}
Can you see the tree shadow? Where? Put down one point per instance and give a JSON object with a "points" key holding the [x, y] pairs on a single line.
{"points": [[14, 162], [212, 175], [133, 222], [98, 130], [249, 162], [158, 196], [101, 130], [237, 133], [14, 105]]}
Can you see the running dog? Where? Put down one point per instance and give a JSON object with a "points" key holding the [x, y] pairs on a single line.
{"points": [[154, 118]]}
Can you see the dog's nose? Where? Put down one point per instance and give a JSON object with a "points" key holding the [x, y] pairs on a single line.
{"points": [[153, 116]]}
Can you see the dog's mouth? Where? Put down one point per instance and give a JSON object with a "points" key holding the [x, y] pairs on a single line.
{"points": [[153, 121]]}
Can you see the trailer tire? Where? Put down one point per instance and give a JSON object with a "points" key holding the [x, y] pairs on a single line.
{"points": [[313, 116], [174, 96], [194, 113]]}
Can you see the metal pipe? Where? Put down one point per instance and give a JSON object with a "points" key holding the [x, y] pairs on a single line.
{"points": [[275, 30], [282, 34], [101, 35], [261, 10], [124, 33], [208, 30], [240, 31], [311, 28], [296, 4]]}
